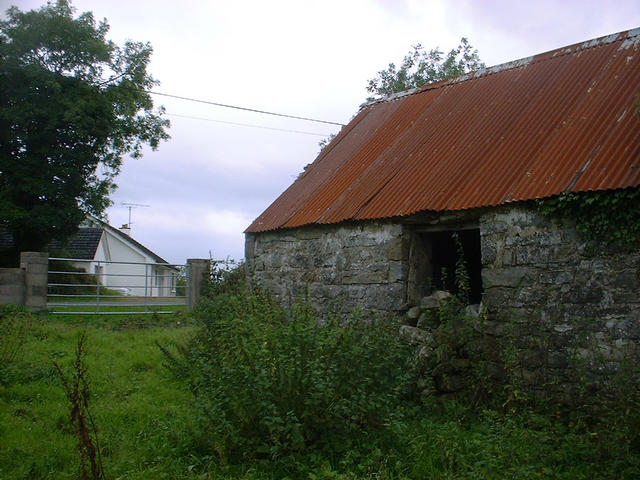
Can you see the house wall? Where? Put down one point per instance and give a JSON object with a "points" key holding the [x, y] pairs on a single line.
{"points": [[159, 280], [547, 292], [363, 265], [121, 275], [558, 293]]}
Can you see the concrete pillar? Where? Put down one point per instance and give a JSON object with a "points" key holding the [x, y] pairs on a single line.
{"points": [[197, 279], [35, 266]]}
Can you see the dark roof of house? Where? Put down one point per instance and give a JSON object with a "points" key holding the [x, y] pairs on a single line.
{"points": [[83, 245], [560, 121]]}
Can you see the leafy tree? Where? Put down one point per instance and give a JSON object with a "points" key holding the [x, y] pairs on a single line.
{"points": [[72, 104], [420, 67]]}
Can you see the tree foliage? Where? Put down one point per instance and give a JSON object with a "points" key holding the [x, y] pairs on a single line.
{"points": [[420, 67], [72, 104]]}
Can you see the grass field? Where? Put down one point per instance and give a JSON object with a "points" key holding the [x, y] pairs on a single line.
{"points": [[140, 410], [148, 426]]}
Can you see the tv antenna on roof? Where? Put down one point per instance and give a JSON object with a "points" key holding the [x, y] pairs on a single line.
{"points": [[131, 206]]}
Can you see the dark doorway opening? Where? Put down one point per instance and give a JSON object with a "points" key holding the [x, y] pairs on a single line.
{"points": [[444, 256]]}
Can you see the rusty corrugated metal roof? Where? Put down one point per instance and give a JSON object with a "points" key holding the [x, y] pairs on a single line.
{"points": [[560, 121]]}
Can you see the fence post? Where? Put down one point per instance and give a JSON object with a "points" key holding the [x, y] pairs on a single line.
{"points": [[198, 273], [35, 266]]}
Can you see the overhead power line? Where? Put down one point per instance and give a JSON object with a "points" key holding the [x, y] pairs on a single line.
{"points": [[179, 97], [247, 125]]}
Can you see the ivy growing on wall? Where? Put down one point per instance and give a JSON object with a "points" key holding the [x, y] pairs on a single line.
{"points": [[612, 216]]}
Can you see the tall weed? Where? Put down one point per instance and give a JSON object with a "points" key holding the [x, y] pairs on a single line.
{"points": [[273, 384], [77, 391], [15, 323]]}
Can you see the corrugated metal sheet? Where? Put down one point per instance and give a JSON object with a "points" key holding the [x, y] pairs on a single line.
{"points": [[560, 121]]}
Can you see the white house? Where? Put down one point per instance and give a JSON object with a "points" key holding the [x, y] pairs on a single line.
{"points": [[120, 262]]}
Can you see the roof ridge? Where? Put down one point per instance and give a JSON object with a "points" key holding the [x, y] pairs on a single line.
{"points": [[510, 65], [531, 132]]}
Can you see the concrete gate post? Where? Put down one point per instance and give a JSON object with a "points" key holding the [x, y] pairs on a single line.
{"points": [[35, 266], [197, 279]]}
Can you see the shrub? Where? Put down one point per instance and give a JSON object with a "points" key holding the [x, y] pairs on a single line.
{"points": [[226, 277], [71, 280], [272, 383], [15, 322]]}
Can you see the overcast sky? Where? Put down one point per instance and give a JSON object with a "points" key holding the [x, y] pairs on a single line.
{"points": [[305, 58]]}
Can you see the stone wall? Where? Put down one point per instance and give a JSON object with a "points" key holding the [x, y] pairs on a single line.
{"points": [[361, 265], [549, 294], [12, 287], [562, 298], [26, 285]]}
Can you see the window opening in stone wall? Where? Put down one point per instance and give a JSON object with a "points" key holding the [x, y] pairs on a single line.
{"points": [[444, 256]]}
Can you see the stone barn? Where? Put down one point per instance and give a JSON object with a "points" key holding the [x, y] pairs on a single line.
{"points": [[374, 221]]}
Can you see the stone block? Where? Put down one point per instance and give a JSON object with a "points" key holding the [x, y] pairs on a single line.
{"points": [[308, 234], [398, 271], [414, 313], [397, 249], [435, 299], [627, 279], [506, 257], [564, 277], [563, 328], [499, 299], [491, 225], [37, 269], [14, 290], [584, 294], [365, 278], [386, 297], [249, 246], [11, 276], [415, 336], [359, 241], [489, 251], [356, 292], [33, 258], [503, 277]]}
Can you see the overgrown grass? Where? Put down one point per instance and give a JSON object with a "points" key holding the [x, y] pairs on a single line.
{"points": [[151, 426], [141, 412]]}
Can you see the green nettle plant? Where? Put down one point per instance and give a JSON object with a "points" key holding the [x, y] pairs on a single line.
{"points": [[274, 384]]}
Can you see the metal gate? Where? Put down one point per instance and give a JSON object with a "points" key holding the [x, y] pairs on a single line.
{"points": [[83, 287]]}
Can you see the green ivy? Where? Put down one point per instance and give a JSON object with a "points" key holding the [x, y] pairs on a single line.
{"points": [[612, 216]]}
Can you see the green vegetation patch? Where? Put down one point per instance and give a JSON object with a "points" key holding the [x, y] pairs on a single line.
{"points": [[141, 413], [267, 393], [609, 216]]}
